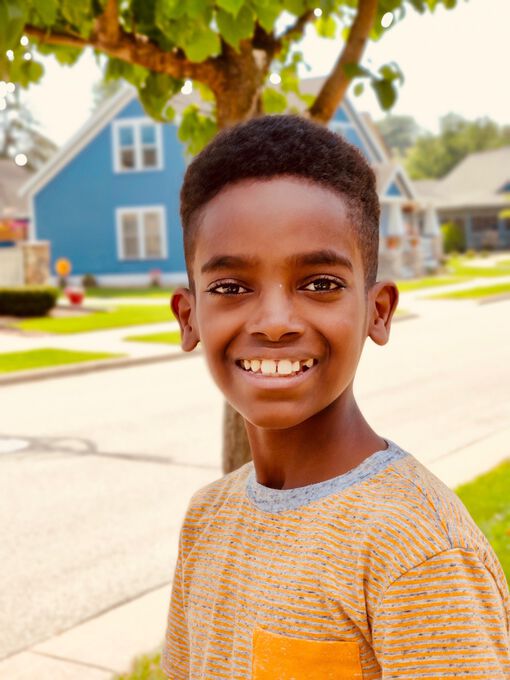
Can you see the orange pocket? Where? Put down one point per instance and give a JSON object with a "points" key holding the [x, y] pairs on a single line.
{"points": [[278, 657]]}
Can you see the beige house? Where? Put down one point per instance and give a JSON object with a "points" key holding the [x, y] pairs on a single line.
{"points": [[475, 195]]}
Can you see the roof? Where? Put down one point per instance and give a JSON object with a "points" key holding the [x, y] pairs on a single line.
{"points": [[12, 177], [112, 106], [477, 181]]}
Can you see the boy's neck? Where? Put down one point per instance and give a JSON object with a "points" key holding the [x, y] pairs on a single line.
{"points": [[331, 443]]}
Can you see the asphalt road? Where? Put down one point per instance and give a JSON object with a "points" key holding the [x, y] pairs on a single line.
{"points": [[96, 470]]}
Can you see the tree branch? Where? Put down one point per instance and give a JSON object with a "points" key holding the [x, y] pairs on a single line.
{"points": [[107, 25], [297, 29], [134, 50], [336, 84]]}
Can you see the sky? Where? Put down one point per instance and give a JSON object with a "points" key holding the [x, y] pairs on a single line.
{"points": [[453, 61]]}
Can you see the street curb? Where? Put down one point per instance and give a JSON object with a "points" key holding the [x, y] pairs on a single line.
{"points": [[89, 367], [499, 297]]}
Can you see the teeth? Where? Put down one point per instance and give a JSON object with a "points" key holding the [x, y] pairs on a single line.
{"points": [[272, 367], [268, 366], [284, 367]]}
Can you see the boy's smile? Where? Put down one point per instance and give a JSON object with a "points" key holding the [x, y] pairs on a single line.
{"points": [[280, 303]]}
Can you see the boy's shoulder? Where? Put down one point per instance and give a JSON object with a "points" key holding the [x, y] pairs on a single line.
{"points": [[409, 505], [208, 498]]}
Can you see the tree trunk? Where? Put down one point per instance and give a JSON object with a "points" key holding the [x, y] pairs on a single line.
{"points": [[236, 449]]}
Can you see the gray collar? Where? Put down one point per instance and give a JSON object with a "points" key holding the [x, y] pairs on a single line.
{"points": [[279, 500]]}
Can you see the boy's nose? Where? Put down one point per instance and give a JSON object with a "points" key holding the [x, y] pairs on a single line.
{"points": [[274, 316]]}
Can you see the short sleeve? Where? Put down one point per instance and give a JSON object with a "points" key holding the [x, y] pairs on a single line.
{"points": [[175, 655], [445, 618]]}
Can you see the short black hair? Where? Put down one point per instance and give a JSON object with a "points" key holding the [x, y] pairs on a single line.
{"points": [[289, 145]]}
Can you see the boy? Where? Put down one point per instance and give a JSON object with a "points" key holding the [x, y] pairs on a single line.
{"points": [[334, 554]]}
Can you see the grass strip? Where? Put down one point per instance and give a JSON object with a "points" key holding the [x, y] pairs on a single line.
{"points": [[43, 358], [127, 315], [128, 292], [488, 502], [429, 282], [474, 293], [171, 338], [460, 267]]}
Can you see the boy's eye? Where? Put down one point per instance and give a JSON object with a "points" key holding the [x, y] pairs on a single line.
{"points": [[227, 288], [324, 285]]}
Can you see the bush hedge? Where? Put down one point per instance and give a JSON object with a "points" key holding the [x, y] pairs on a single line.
{"points": [[28, 300], [454, 239]]}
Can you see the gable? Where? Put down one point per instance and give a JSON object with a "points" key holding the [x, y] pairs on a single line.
{"points": [[349, 124]]}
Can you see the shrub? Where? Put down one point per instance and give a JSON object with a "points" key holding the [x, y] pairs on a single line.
{"points": [[470, 254], [454, 238], [89, 281], [27, 300]]}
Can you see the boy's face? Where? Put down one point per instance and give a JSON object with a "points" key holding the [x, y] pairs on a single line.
{"points": [[279, 278]]}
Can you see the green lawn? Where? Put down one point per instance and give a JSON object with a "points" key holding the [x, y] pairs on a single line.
{"points": [[128, 292], [42, 358], [428, 282], [145, 667], [488, 500], [127, 315], [171, 338], [459, 266], [474, 293]]}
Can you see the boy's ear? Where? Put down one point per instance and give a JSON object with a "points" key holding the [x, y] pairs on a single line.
{"points": [[384, 298], [183, 307]]}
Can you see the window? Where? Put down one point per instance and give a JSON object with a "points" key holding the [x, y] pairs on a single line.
{"points": [[141, 233], [137, 145]]}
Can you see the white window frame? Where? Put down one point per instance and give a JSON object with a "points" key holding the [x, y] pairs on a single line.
{"points": [[139, 211], [136, 124]]}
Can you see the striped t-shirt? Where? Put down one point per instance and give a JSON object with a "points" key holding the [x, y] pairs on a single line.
{"points": [[376, 573]]}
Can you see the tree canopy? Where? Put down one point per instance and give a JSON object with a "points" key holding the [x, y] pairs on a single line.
{"points": [[433, 156], [230, 48]]}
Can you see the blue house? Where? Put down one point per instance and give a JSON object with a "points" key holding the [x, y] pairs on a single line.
{"points": [[109, 199]]}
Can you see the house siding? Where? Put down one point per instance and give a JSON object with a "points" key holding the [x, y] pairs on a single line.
{"points": [[77, 207]]}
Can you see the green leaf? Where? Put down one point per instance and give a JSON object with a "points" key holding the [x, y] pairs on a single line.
{"points": [[296, 7], [196, 9], [419, 5], [358, 89], [391, 72], [326, 27], [273, 101], [46, 10], [155, 94], [12, 20], [231, 6], [267, 13], [356, 71], [290, 79], [78, 14], [201, 44], [196, 129], [64, 55], [117, 69], [24, 72], [233, 30], [386, 93]]}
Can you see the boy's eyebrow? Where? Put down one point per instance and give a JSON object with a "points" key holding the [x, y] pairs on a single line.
{"points": [[227, 262], [326, 256], [316, 257]]}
